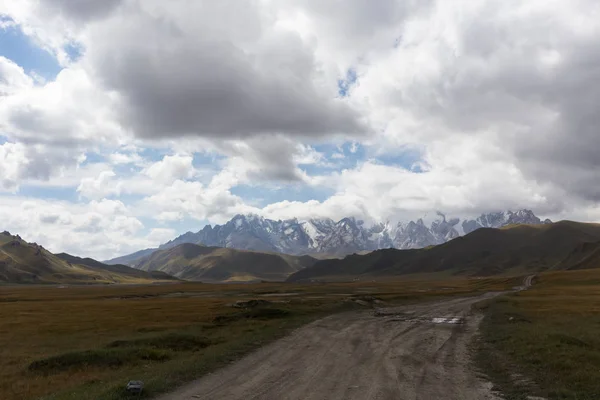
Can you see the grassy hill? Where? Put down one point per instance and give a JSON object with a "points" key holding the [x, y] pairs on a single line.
{"points": [[215, 264], [115, 268], [484, 252], [130, 259], [23, 262]]}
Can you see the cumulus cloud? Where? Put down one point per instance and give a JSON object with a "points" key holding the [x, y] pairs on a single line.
{"points": [[171, 168], [20, 162], [267, 158], [97, 229], [497, 96], [193, 199], [12, 77], [182, 68], [117, 158], [99, 187], [147, 181], [491, 71], [379, 192], [81, 10], [70, 111]]}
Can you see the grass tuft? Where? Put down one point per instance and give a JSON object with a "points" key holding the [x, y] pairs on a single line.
{"points": [[109, 358], [259, 313], [171, 341]]}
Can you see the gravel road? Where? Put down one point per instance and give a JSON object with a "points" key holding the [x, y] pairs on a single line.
{"points": [[411, 352]]}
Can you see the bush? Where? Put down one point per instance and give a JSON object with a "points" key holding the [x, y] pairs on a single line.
{"points": [[171, 341], [111, 358], [259, 313]]}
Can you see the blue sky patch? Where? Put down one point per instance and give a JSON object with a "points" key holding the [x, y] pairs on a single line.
{"points": [[74, 51], [93, 158], [49, 192], [152, 154], [406, 158], [344, 85], [21, 49], [182, 226]]}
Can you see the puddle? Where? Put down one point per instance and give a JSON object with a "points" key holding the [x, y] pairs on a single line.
{"points": [[448, 320], [279, 294]]}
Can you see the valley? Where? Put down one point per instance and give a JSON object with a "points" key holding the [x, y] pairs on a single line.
{"points": [[86, 342], [299, 200], [194, 320]]}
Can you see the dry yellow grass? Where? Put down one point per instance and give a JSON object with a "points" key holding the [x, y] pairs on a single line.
{"points": [[40, 322]]}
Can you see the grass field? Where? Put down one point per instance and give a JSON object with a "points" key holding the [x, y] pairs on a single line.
{"points": [[546, 341], [86, 342]]}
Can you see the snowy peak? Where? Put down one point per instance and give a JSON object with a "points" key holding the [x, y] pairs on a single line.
{"points": [[348, 235], [500, 219]]}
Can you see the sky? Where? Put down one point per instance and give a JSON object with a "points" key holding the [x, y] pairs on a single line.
{"points": [[124, 123]]}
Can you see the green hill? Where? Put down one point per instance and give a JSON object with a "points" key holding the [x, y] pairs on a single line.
{"points": [[215, 264], [484, 252], [23, 262]]}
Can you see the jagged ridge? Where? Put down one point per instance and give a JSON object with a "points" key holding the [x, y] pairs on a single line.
{"points": [[349, 235]]}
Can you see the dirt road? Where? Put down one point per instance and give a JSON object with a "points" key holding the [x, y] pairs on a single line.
{"points": [[412, 352]]}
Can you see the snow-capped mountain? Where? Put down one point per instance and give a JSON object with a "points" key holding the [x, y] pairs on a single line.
{"points": [[349, 235]]}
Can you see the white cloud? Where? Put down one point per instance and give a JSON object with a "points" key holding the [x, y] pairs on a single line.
{"points": [[171, 168], [125, 158], [38, 164], [12, 77], [97, 229], [69, 111], [194, 200], [161, 235], [497, 96], [100, 186], [12, 165]]}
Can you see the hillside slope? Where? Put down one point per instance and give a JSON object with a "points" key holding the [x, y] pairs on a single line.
{"points": [[23, 262], [115, 268], [214, 264], [130, 259], [484, 252]]}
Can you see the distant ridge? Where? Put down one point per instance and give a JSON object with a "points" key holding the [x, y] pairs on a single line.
{"points": [[515, 249], [215, 264], [23, 262]]}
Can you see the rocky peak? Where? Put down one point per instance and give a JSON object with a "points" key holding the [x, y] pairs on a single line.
{"points": [[323, 235]]}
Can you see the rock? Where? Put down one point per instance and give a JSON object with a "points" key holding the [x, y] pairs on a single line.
{"points": [[134, 387]]}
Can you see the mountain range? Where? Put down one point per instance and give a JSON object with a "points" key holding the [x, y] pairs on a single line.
{"points": [[325, 237], [515, 249]]}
